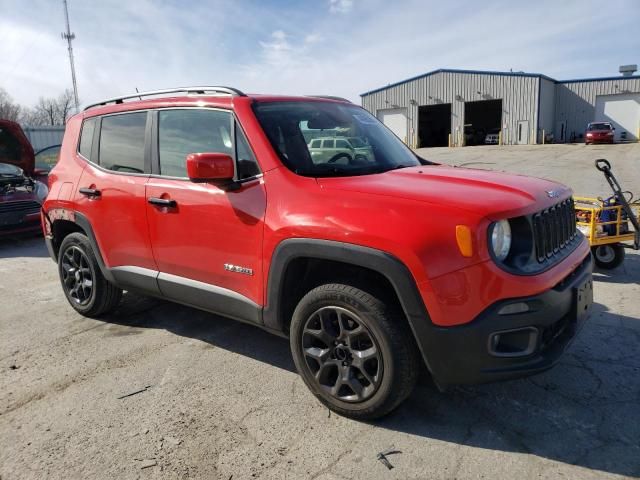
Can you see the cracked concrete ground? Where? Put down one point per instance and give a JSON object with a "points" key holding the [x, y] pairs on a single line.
{"points": [[223, 400]]}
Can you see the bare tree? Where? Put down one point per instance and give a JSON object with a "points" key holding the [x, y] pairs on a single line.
{"points": [[8, 109], [51, 111], [46, 112], [66, 103]]}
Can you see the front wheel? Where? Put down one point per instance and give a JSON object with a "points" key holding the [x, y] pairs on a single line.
{"points": [[608, 256], [354, 351]]}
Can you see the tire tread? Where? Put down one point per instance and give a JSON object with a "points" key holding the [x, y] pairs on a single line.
{"points": [[107, 295], [399, 336]]}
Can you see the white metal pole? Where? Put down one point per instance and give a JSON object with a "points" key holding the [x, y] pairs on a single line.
{"points": [[68, 36]]}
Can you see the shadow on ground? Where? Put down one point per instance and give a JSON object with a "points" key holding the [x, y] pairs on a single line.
{"points": [[628, 272], [583, 412], [24, 245]]}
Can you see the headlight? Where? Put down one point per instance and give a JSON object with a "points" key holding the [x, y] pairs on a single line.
{"points": [[500, 236], [41, 191]]}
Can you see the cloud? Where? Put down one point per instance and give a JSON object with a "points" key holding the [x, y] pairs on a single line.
{"points": [[340, 6], [292, 49], [277, 51], [312, 38]]}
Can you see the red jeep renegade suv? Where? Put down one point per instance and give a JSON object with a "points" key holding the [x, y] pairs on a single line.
{"points": [[369, 264]]}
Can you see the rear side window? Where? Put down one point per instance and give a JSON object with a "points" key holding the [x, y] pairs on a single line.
{"points": [[122, 142], [181, 132], [327, 144], [86, 137]]}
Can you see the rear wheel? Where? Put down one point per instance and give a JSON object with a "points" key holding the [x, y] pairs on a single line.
{"points": [[354, 351], [83, 284], [608, 256]]}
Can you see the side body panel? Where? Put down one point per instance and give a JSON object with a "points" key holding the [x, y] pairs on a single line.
{"points": [[118, 216], [208, 229]]}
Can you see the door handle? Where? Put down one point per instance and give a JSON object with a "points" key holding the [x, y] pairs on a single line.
{"points": [[163, 202], [90, 192]]}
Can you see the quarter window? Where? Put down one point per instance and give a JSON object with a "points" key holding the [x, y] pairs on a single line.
{"points": [[315, 144], [247, 164], [86, 137], [122, 142], [181, 132]]}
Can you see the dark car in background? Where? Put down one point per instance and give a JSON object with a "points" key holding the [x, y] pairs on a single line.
{"points": [[22, 187], [599, 132]]}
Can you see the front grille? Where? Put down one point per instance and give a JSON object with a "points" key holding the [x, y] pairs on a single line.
{"points": [[553, 229], [25, 207]]}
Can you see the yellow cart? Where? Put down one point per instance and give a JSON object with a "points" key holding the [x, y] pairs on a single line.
{"points": [[611, 225]]}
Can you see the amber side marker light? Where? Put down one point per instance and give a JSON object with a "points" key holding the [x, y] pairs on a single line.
{"points": [[465, 243]]}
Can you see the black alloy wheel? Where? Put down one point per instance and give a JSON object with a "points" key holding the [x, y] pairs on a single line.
{"points": [[354, 349], [82, 280], [342, 354], [77, 277]]}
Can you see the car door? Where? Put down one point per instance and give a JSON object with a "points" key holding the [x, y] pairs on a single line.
{"points": [[328, 150], [206, 239], [111, 194]]}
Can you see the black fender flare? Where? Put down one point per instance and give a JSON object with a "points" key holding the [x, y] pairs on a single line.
{"points": [[377, 260], [83, 222]]}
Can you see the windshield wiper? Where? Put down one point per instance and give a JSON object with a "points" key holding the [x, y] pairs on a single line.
{"points": [[395, 167]]}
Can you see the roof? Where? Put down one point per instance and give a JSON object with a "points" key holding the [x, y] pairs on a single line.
{"points": [[486, 72], [599, 79], [180, 94]]}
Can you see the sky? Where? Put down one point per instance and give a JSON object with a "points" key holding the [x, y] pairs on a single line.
{"points": [[331, 47]]}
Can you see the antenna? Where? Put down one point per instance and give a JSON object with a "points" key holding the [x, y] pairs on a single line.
{"points": [[68, 36]]}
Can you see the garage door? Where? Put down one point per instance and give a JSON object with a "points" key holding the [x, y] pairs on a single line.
{"points": [[396, 120], [622, 110]]}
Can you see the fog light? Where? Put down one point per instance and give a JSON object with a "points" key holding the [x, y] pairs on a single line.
{"points": [[512, 308], [519, 342]]}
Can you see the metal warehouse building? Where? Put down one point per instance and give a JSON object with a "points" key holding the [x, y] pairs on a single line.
{"points": [[460, 107]]}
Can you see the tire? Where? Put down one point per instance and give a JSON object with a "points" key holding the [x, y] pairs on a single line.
{"points": [[374, 351], [608, 256], [86, 289]]}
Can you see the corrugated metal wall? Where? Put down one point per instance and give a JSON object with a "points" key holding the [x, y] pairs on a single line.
{"points": [[42, 137], [519, 96], [576, 101]]}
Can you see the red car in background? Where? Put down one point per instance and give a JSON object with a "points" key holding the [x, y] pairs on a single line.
{"points": [[22, 187], [599, 132]]}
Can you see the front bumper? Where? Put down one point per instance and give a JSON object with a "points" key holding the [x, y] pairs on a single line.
{"points": [[28, 226], [497, 346], [603, 139]]}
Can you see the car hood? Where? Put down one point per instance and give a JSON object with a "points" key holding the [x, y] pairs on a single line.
{"points": [[15, 148], [490, 194]]}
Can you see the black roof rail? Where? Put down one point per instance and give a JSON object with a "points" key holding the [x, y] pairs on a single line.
{"points": [[330, 97], [188, 90]]}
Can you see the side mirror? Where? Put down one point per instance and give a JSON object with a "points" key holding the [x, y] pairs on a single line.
{"points": [[210, 167]]}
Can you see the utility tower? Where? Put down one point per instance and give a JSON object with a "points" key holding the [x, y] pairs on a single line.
{"points": [[68, 36]]}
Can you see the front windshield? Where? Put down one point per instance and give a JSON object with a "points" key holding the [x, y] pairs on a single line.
{"points": [[599, 126], [321, 139]]}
